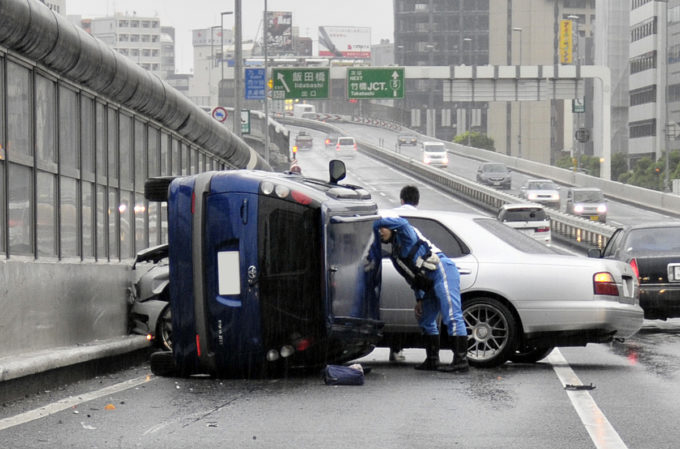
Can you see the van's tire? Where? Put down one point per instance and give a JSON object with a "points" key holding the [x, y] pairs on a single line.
{"points": [[163, 364], [156, 189]]}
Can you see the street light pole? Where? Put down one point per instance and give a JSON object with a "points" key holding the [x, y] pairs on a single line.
{"points": [[212, 63], [519, 131], [266, 89], [238, 59], [468, 114]]}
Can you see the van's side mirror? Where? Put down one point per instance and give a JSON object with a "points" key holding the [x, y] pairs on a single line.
{"points": [[336, 170]]}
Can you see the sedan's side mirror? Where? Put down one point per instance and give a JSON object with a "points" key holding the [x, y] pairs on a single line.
{"points": [[595, 253]]}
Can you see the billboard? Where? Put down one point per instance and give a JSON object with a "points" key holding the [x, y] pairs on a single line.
{"points": [[566, 44], [345, 42], [280, 32]]}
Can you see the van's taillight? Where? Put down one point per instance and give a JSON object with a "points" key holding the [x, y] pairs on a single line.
{"points": [[198, 345], [355, 147], [337, 147], [603, 284], [543, 229], [300, 197], [193, 202], [636, 269]]}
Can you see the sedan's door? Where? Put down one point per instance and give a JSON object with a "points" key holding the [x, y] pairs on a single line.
{"points": [[397, 298]]}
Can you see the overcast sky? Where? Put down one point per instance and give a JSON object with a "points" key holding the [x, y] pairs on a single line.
{"points": [[187, 15]]}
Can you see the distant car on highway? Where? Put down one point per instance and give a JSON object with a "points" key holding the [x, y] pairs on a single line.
{"points": [[543, 191], [653, 250], [495, 174], [304, 141], [587, 202], [520, 298], [345, 146], [434, 154], [528, 218], [407, 139], [330, 141]]}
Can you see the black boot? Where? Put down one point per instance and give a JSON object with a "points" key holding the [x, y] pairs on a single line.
{"points": [[432, 350], [459, 364]]}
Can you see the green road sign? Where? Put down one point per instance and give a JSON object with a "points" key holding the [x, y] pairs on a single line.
{"points": [[300, 83], [578, 105], [375, 82]]}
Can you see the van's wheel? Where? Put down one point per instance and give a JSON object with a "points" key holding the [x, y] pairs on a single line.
{"points": [[531, 354], [156, 189], [493, 331], [163, 363]]}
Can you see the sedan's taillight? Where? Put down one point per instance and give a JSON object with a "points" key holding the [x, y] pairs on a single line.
{"points": [[603, 284], [543, 229], [636, 269]]}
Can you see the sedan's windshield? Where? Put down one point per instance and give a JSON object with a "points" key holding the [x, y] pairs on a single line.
{"points": [[495, 168], [588, 196], [541, 185]]}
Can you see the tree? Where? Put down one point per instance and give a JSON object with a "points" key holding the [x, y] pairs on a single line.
{"points": [[476, 140]]}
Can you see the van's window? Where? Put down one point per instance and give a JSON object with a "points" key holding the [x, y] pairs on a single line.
{"points": [[525, 214], [351, 279], [435, 148]]}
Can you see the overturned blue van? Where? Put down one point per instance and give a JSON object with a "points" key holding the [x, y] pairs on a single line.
{"points": [[267, 272]]}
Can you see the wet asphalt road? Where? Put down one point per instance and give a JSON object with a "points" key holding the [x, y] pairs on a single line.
{"points": [[633, 403]]}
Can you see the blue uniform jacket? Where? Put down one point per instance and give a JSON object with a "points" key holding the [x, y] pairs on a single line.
{"points": [[403, 240]]}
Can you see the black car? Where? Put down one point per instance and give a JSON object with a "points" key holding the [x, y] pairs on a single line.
{"points": [[494, 174], [653, 250], [407, 139]]}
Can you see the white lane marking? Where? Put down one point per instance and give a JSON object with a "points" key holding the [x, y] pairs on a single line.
{"points": [[69, 402], [601, 431]]}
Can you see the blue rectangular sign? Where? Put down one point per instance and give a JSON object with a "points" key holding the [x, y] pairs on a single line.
{"points": [[255, 84]]}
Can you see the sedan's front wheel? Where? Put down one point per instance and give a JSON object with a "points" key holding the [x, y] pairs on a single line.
{"points": [[492, 329], [164, 329]]}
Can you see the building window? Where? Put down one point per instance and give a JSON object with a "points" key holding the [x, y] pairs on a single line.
{"points": [[643, 62], [643, 128], [642, 96]]}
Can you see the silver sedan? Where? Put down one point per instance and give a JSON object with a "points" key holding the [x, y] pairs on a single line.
{"points": [[520, 298]]}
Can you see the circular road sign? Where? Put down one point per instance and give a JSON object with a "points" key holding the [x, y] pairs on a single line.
{"points": [[582, 135], [220, 114]]}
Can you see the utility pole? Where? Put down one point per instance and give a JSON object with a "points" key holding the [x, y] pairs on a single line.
{"points": [[238, 56], [266, 89], [519, 130]]}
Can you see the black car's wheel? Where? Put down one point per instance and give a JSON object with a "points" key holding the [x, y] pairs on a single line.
{"points": [[156, 189], [164, 329], [163, 364], [492, 330], [531, 354]]}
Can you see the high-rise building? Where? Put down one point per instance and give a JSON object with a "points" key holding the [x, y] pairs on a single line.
{"points": [[471, 32], [440, 33], [654, 78], [58, 6], [138, 38]]}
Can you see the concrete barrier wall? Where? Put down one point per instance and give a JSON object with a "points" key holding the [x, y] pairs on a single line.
{"points": [[54, 304]]}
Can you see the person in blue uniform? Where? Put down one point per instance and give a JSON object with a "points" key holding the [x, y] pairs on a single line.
{"points": [[436, 282]]}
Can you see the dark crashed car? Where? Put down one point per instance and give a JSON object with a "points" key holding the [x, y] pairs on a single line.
{"points": [[149, 298], [653, 250]]}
